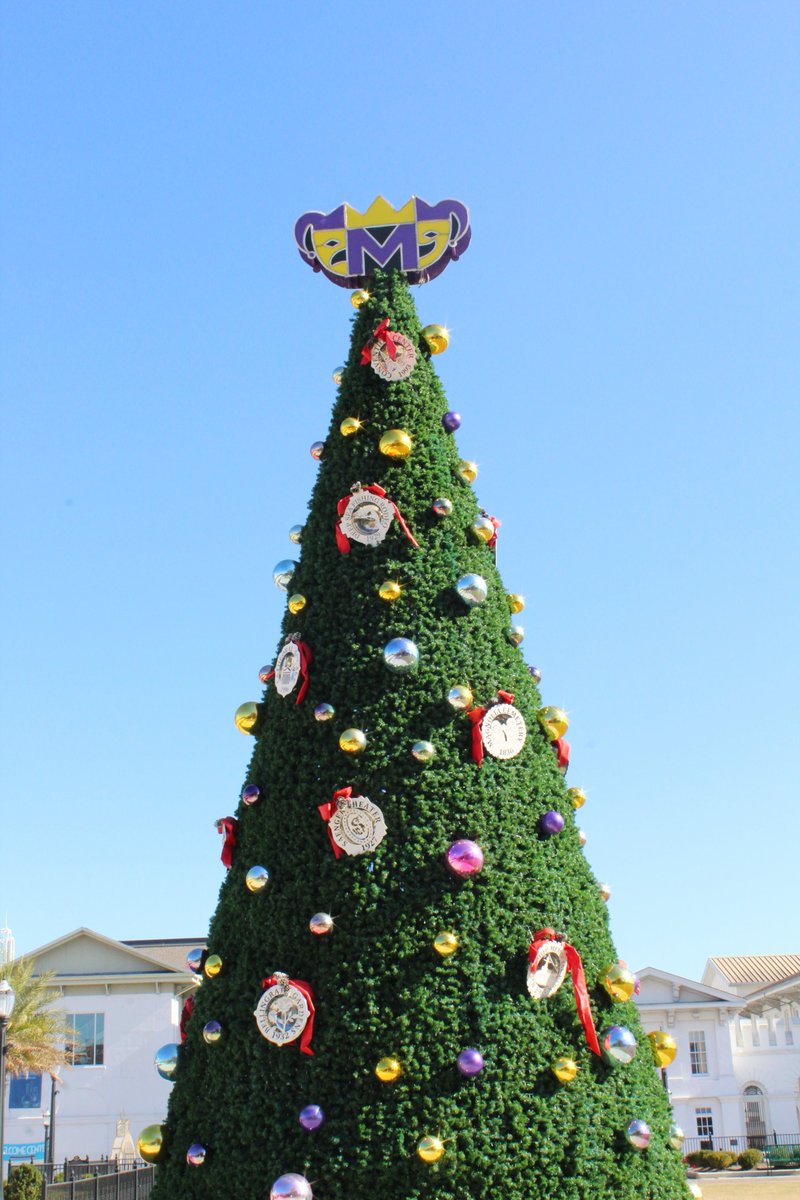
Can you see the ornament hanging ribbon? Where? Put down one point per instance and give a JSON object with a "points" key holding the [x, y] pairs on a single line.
{"points": [[327, 811], [476, 716], [381, 334], [492, 542], [186, 1012], [228, 827], [562, 753], [308, 996], [343, 542], [575, 969], [306, 658]]}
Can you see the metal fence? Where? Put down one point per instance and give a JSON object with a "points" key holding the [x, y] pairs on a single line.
{"points": [[743, 1142], [136, 1184]]}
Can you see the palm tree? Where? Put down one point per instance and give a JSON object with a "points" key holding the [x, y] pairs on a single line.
{"points": [[38, 1035]]}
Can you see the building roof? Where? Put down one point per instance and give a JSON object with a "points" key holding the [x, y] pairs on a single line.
{"points": [[757, 968], [773, 997], [171, 951]]}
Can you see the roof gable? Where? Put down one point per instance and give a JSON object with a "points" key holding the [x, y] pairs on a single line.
{"points": [[662, 989], [759, 969], [84, 952]]}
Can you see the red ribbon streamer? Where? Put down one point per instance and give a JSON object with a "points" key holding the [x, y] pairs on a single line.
{"points": [[229, 827], [492, 542], [476, 716], [306, 658], [562, 753], [327, 810], [308, 1031], [343, 543], [381, 334], [186, 1012], [575, 969]]}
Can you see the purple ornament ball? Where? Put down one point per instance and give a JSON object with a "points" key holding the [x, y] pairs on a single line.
{"points": [[311, 1117], [552, 822], [535, 674], [250, 793], [465, 858], [470, 1062], [451, 421]]}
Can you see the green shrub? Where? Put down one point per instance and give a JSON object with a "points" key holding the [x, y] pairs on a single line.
{"points": [[24, 1183], [711, 1160], [749, 1159]]}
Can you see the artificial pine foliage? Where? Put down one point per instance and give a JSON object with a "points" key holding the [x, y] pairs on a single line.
{"points": [[380, 988]]}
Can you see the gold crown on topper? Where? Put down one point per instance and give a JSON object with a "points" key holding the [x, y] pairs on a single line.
{"points": [[419, 239]]}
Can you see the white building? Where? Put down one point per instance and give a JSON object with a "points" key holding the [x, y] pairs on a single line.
{"points": [[125, 1000]]}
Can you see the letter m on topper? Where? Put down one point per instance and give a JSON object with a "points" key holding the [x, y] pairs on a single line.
{"points": [[419, 239]]}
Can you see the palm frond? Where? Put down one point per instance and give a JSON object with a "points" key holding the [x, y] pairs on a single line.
{"points": [[38, 1035]]}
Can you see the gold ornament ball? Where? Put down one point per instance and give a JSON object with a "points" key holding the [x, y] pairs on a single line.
{"points": [[150, 1142], [430, 1149], [297, 603], [349, 426], [395, 443], [337, 375], [352, 741], [256, 879], [663, 1047], [445, 943], [482, 530], [676, 1136], [296, 534], [213, 966], [617, 980], [390, 590], [516, 603], [359, 297], [605, 892], [576, 797], [553, 721], [246, 716], [468, 470], [460, 698], [564, 1069], [516, 635], [437, 338], [423, 752], [388, 1069]]}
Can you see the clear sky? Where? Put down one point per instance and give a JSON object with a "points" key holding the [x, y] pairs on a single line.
{"points": [[624, 355]]}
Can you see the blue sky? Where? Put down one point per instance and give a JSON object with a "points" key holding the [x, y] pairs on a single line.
{"points": [[624, 355]]}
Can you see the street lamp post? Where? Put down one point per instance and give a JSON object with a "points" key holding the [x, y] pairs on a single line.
{"points": [[6, 1009], [46, 1123]]}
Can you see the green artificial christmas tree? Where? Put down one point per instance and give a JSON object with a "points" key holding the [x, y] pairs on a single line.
{"points": [[410, 989]]}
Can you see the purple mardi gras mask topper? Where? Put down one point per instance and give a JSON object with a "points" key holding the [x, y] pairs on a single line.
{"points": [[418, 239]]}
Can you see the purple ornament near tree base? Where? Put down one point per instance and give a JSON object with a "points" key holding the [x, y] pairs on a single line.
{"points": [[551, 823], [470, 1062], [465, 858], [311, 1117], [451, 421]]}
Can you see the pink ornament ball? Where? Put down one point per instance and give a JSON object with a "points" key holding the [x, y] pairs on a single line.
{"points": [[465, 858]]}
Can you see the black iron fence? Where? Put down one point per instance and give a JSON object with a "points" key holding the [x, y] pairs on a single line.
{"points": [[135, 1184], [779, 1149]]}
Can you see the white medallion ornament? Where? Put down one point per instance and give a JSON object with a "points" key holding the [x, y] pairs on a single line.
{"points": [[503, 731], [399, 367], [548, 969], [357, 826], [367, 517], [282, 1012], [287, 668]]}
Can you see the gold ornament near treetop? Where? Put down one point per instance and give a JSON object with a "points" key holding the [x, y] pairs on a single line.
{"points": [[482, 529], [352, 741], [430, 1149], [390, 590], [516, 603], [150, 1143], [297, 603], [395, 443], [564, 1069], [437, 338], [212, 966], [445, 943], [349, 426], [388, 1069], [663, 1047], [553, 721], [468, 470], [246, 716], [460, 698], [576, 797], [359, 297], [617, 980]]}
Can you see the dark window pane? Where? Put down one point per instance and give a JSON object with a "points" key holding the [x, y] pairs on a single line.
{"points": [[25, 1091]]}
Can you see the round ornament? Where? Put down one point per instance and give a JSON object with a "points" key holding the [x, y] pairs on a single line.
{"points": [[617, 981], [564, 1069], [265, 673], [150, 1143], [296, 603], [353, 741], [349, 426], [400, 655], [638, 1134], [337, 375], [194, 959], [367, 517], [395, 443], [503, 731], [291, 1187], [357, 826], [423, 752], [246, 716], [617, 1045], [451, 421], [296, 534], [470, 1063], [465, 858], [166, 1060], [437, 338], [460, 698], [547, 970], [515, 601], [430, 1149], [287, 668], [283, 572], [324, 711], [468, 470], [311, 1117], [321, 923], [516, 635], [256, 879], [550, 823], [213, 966], [359, 296], [445, 943], [553, 721], [388, 1069], [399, 367], [212, 1032], [676, 1136], [317, 450], [472, 589], [390, 590], [605, 892], [637, 985], [482, 529], [442, 507], [282, 1013], [196, 1155], [250, 794], [663, 1047], [576, 797], [535, 674], [582, 837]]}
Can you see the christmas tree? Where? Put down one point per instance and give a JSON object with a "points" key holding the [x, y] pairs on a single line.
{"points": [[410, 989]]}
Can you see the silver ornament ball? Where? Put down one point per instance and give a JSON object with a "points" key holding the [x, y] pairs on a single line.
{"points": [[400, 655], [472, 589], [283, 573]]}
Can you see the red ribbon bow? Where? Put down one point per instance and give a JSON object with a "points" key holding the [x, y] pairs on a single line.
{"points": [[492, 542], [381, 334], [186, 1012], [476, 716], [562, 753], [306, 658], [343, 542], [327, 810], [308, 1031], [229, 827], [575, 969]]}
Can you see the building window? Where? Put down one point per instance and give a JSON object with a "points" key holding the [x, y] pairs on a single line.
{"points": [[86, 1048], [25, 1091], [698, 1058], [705, 1124]]}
